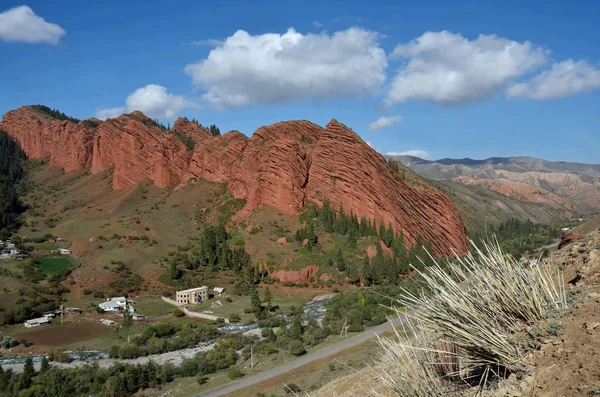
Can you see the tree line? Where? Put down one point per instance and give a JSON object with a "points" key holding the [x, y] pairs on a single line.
{"points": [[518, 237], [385, 267], [55, 113], [12, 172]]}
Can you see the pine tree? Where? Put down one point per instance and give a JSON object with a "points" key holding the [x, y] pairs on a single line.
{"points": [[268, 298], [329, 262], [351, 240], [341, 225], [367, 272], [27, 375], [311, 235], [174, 272], [363, 227], [255, 301], [388, 235], [328, 216], [382, 231], [296, 330], [339, 260], [45, 365], [214, 130], [378, 266], [3, 379]]}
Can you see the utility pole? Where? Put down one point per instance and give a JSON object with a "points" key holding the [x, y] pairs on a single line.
{"points": [[62, 315], [251, 356]]}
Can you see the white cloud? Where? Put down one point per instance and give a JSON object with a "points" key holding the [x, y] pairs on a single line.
{"points": [[384, 122], [369, 143], [153, 100], [20, 24], [317, 24], [111, 113], [276, 68], [208, 42], [563, 79], [415, 153], [447, 68]]}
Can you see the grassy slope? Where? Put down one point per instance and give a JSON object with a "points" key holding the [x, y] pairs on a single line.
{"points": [[85, 211]]}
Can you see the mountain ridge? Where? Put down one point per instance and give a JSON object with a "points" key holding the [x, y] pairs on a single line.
{"points": [[567, 189], [284, 165]]}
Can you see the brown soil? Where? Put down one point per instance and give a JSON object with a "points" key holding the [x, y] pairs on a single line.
{"points": [[63, 335]]}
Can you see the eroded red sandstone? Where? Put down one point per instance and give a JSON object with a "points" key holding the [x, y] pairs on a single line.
{"points": [[284, 165]]}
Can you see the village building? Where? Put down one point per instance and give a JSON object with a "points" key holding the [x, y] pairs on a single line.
{"points": [[192, 295], [136, 316], [220, 291], [36, 322], [64, 251], [115, 304], [106, 321]]}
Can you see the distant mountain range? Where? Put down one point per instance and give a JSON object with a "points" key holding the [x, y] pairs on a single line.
{"points": [[451, 168], [527, 187]]}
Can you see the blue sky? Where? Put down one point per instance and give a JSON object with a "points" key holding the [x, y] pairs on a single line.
{"points": [[420, 71]]}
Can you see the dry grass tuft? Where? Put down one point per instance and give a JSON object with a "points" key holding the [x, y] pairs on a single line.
{"points": [[463, 331]]}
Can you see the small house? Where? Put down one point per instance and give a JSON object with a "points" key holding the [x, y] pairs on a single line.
{"points": [[114, 304], [136, 316], [106, 321], [220, 291], [36, 322], [64, 251]]}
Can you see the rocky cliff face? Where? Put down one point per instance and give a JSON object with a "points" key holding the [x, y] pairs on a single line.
{"points": [[284, 165]]}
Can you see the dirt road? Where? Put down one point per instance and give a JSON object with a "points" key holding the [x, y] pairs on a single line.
{"points": [[309, 358]]}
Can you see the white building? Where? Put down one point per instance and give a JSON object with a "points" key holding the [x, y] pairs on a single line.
{"points": [[36, 322], [64, 251], [114, 304], [192, 295]]}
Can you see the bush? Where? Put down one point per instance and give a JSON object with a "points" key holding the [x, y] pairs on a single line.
{"points": [[228, 299], [178, 313], [356, 328], [234, 318], [296, 348], [292, 388], [87, 291], [235, 373]]}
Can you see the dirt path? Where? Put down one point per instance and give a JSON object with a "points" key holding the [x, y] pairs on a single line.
{"points": [[304, 360]]}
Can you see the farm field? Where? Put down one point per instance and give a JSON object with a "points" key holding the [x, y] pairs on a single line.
{"points": [[56, 335], [55, 265]]}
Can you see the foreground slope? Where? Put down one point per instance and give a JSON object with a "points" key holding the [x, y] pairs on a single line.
{"points": [[285, 166]]}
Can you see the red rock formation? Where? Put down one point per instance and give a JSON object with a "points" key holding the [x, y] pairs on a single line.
{"points": [[349, 173], [194, 130], [284, 165], [569, 238], [295, 276]]}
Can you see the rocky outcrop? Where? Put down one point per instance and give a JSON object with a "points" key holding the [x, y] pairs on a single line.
{"points": [[349, 173], [569, 237], [284, 165], [295, 276]]}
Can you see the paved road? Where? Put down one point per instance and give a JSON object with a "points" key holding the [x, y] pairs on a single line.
{"points": [[299, 362]]}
